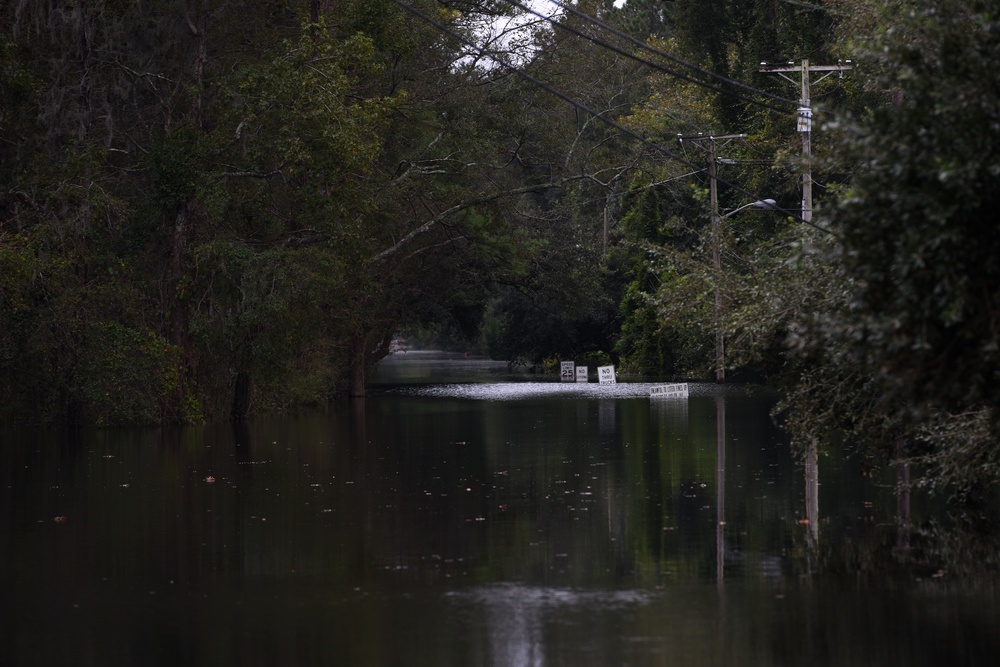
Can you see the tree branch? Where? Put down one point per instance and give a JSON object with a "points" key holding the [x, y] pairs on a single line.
{"points": [[485, 199], [248, 174]]}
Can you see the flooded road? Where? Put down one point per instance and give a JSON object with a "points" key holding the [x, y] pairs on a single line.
{"points": [[476, 523]]}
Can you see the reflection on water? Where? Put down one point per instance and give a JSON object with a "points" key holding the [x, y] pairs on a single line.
{"points": [[670, 411], [519, 391], [810, 466], [423, 366], [720, 489], [488, 524], [516, 616]]}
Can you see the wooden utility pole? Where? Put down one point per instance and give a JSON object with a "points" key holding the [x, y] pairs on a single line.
{"points": [[707, 143], [811, 458], [805, 117]]}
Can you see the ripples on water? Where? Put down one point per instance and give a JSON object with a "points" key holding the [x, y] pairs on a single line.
{"points": [[468, 514]]}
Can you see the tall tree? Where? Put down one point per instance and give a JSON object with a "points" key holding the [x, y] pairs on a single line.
{"points": [[144, 170], [923, 313], [247, 202]]}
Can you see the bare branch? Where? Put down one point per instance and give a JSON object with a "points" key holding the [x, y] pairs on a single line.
{"points": [[248, 174], [462, 206]]}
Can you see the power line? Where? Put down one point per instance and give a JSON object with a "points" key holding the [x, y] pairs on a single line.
{"points": [[704, 72], [655, 65], [815, 7], [541, 84], [587, 110], [664, 54]]}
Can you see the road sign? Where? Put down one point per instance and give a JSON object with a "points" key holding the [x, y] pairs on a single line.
{"points": [[669, 391], [606, 374], [567, 371]]}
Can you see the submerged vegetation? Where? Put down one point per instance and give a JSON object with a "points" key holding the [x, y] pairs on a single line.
{"points": [[212, 210]]}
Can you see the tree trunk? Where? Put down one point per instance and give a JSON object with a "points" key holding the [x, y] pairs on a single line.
{"points": [[176, 298], [241, 398], [359, 371], [177, 301]]}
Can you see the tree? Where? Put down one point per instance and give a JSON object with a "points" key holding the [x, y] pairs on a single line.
{"points": [[67, 217], [924, 284], [914, 221], [167, 195], [674, 271], [249, 201], [537, 182]]}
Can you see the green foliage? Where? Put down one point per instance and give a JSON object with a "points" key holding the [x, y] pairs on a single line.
{"points": [[123, 376], [526, 327], [63, 358], [916, 239], [174, 168], [958, 453], [18, 91], [297, 111], [898, 345], [244, 204], [265, 313], [191, 188], [674, 271], [641, 344]]}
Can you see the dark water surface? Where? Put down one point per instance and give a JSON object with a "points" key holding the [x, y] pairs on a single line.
{"points": [[476, 524]]}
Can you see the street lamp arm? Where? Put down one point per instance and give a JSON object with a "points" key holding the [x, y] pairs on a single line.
{"points": [[720, 344], [765, 204]]}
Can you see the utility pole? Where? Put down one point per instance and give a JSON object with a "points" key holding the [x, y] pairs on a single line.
{"points": [[805, 117], [811, 457], [713, 191]]}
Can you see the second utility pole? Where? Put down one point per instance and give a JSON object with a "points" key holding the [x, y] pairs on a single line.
{"points": [[713, 192]]}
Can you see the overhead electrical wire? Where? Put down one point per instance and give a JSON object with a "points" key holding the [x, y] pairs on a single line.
{"points": [[655, 65], [596, 114], [700, 70], [814, 6], [675, 59]]}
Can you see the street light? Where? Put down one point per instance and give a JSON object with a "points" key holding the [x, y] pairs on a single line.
{"points": [[765, 204], [720, 343]]}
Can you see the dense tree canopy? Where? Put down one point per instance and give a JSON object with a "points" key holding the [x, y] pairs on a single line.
{"points": [[916, 222], [917, 241], [208, 208], [211, 209]]}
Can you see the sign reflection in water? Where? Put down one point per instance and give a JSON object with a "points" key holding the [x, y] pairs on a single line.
{"points": [[522, 523]]}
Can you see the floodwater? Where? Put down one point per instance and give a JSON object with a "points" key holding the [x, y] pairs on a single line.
{"points": [[491, 519]]}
